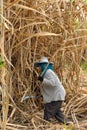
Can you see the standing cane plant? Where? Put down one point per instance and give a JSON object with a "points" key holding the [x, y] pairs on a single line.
{"points": [[3, 73]]}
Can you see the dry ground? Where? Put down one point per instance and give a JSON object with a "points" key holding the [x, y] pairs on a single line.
{"points": [[33, 119]]}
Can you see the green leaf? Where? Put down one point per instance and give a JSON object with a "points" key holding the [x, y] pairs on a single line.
{"points": [[2, 64], [72, 0]]}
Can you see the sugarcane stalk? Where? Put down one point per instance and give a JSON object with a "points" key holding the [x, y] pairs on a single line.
{"points": [[3, 71]]}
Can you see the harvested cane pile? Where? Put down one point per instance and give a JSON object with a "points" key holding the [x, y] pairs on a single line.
{"points": [[29, 30]]}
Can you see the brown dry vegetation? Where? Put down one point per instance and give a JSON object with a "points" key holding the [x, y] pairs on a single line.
{"points": [[29, 30]]}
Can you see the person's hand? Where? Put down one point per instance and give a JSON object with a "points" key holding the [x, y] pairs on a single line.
{"points": [[40, 78]]}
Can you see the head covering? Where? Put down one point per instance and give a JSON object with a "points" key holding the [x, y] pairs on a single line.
{"points": [[44, 64], [42, 60]]}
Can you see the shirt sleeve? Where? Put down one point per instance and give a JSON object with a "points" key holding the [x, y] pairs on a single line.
{"points": [[49, 80]]}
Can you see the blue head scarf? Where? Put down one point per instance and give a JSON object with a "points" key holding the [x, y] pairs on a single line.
{"points": [[45, 67]]}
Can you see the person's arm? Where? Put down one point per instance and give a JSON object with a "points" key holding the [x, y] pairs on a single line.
{"points": [[49, 80]]}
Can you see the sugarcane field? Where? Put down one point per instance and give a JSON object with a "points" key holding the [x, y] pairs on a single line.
{"points": [[43, 64]]}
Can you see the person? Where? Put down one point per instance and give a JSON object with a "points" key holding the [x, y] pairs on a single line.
{"points": [[52, 90]]}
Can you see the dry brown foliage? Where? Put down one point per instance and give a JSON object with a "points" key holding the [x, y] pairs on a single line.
{"points": [[31, 29]]}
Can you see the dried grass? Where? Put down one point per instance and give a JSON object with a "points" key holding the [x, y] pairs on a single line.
{"points": [[31, 29]]}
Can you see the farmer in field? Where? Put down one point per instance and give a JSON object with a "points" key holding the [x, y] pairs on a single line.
{"points": [[52, 90]]}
